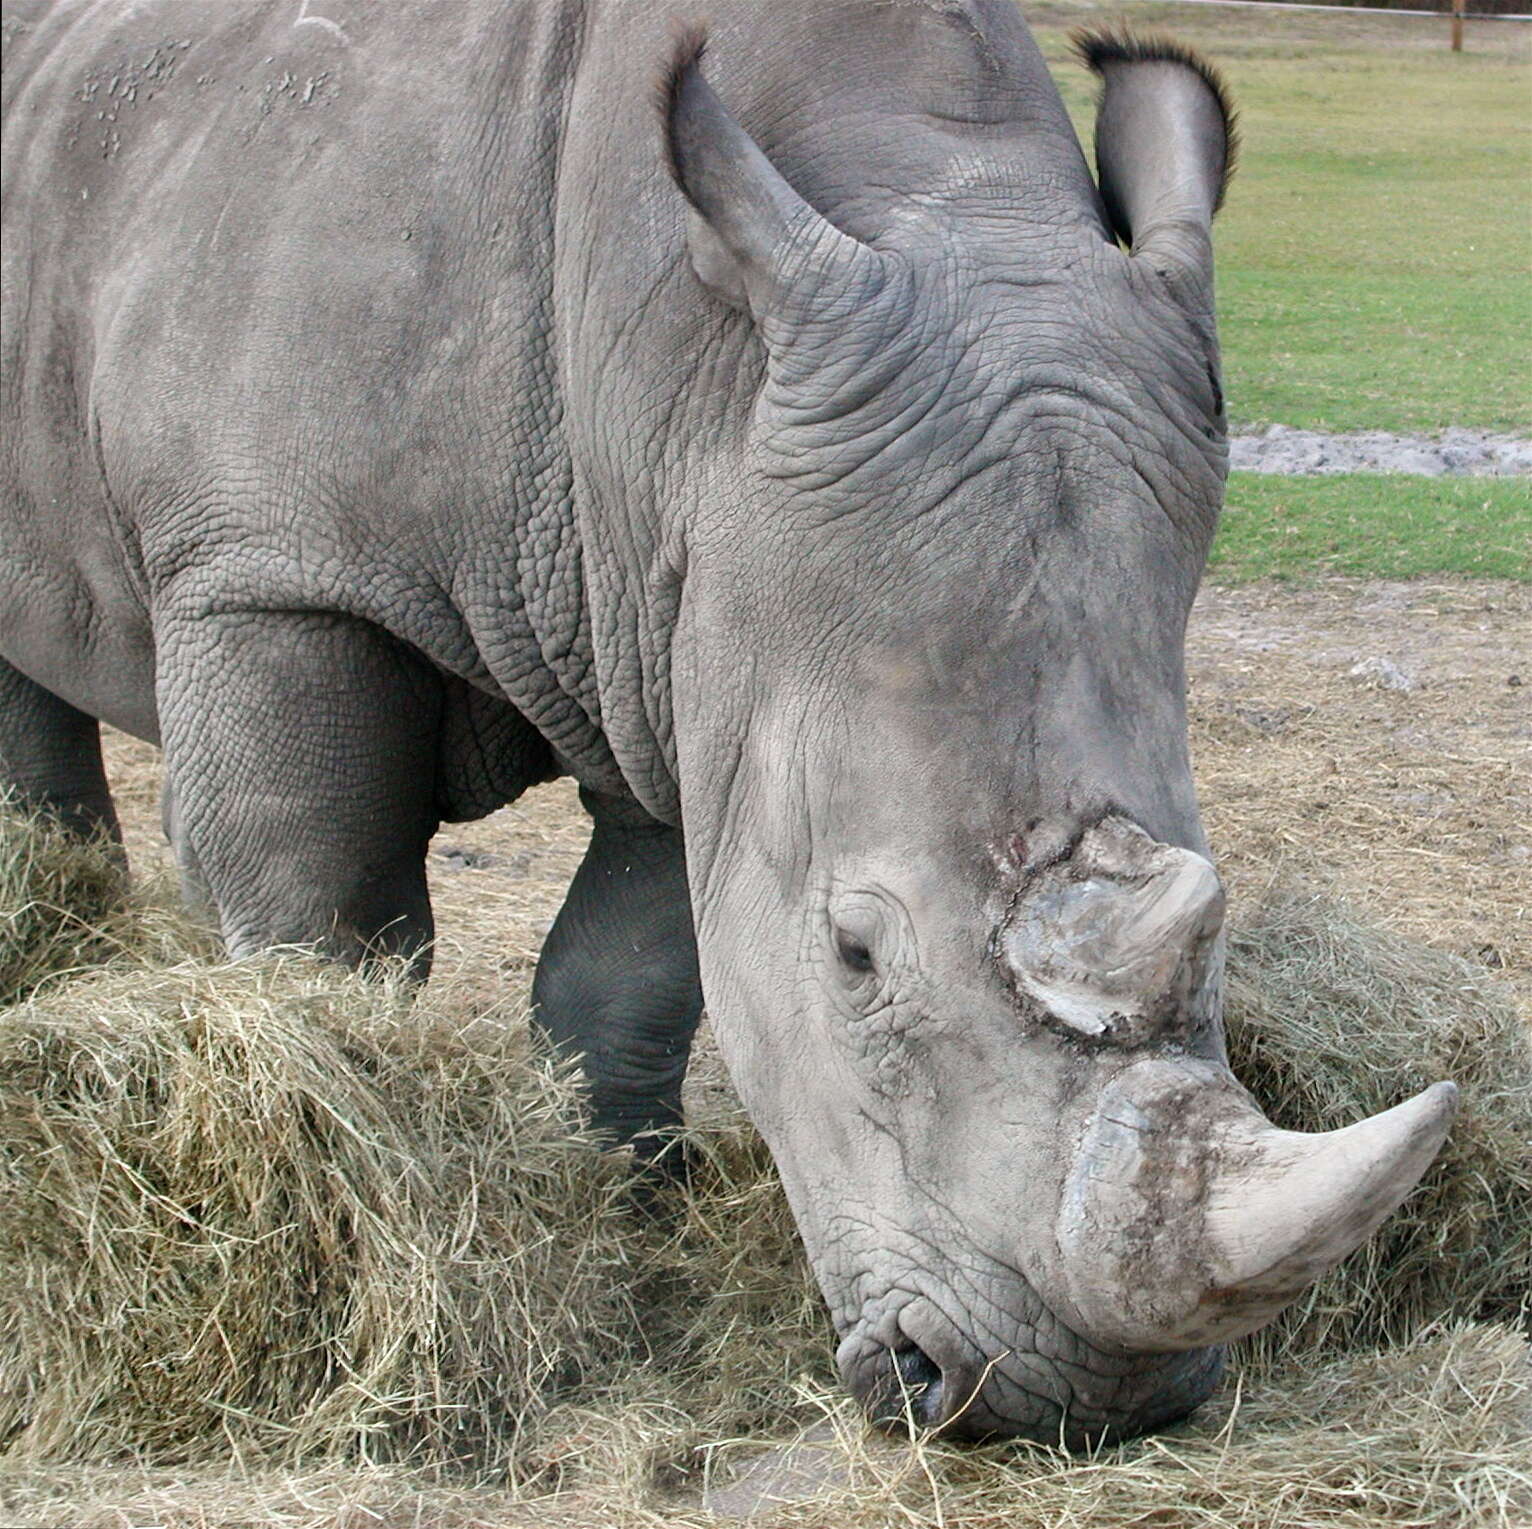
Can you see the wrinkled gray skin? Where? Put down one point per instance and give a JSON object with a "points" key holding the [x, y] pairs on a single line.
{"points": [[384, 435]]}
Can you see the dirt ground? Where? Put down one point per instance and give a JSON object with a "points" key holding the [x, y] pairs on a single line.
{"points": [[1374, 736], [1378, 737]]}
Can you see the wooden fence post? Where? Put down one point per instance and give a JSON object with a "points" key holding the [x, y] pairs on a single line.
{"points": [[1457, 25]]}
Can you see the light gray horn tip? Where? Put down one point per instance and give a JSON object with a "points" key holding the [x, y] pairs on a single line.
{"points": [[1438, 1107]]}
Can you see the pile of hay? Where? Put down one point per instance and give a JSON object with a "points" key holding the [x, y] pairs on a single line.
{"points": [[275, 1208], [1331, 1019], [68, 908], [62, 903], [279, 1243], [1430, 1434]]}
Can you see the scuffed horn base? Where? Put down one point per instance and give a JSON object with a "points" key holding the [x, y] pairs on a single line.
{"points": [[1189, 1219]]}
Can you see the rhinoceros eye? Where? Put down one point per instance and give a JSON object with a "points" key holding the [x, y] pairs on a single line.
{"points": [[853, 951]]}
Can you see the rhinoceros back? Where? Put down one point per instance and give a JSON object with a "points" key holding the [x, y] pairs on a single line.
{"points": [[279, 333]]}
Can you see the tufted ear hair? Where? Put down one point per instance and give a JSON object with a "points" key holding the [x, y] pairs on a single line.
{"points": [[754, 241], [1165, 149]]}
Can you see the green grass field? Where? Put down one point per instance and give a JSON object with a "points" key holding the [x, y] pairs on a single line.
{"points": [[1374, 525], [1374, 269], [1375, 254]]}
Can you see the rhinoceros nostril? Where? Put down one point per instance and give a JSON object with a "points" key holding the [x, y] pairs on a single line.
{"points": [[917, 1390]]}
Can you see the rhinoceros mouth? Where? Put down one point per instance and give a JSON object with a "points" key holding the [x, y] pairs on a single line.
{"points": [[918, 1371]]}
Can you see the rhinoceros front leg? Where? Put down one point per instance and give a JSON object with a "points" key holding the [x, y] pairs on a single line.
{"points": [[51, 754], [301, 763], [617, 981], [195, 892]]}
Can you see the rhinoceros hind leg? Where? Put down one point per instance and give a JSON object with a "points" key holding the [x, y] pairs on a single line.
{"points": [[51, 754], [617, 981], [301, 759]]}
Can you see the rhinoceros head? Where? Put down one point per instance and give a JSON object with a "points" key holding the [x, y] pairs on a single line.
{"points": [[960, 935]]}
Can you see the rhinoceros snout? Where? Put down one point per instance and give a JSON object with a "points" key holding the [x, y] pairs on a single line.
{"points": [[1046, 1384], [908, 1385]]}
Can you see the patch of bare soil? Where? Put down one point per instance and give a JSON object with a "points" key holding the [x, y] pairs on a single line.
{"points": [[1374, 736]]}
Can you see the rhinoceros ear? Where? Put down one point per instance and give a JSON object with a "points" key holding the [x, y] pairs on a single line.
{"points": [[754, 241], [1165, 148]]}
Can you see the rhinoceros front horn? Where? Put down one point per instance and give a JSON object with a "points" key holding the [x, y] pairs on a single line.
{"points": [[1189, 1219]]}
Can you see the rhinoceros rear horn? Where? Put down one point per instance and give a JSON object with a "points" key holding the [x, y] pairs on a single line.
{"points": [[754, 241], [1165, 148]]}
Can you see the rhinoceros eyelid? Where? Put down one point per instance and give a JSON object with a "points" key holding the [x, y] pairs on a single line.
{"points": [[872, 941], [853, 952]]}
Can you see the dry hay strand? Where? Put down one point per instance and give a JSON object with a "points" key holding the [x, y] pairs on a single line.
{"points": [[300, 1215], [130, 1496], [284, 1211], [1434, 1433], [1331, 1020]]}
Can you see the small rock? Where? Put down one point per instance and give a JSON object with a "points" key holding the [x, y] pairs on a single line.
{"points": [[460, 858], [812, 1465], [1384, 673]]}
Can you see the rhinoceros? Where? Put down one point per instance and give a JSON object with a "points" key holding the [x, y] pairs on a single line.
{"points": [[407, 403]]}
